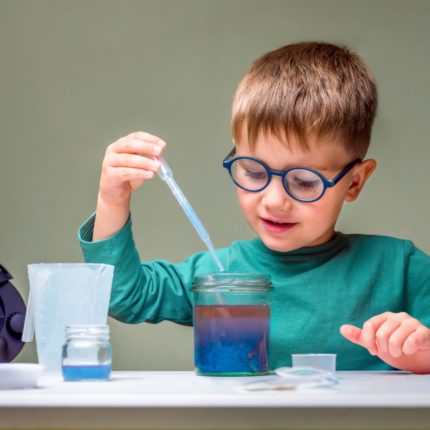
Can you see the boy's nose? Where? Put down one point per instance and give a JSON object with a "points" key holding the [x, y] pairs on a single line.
{"points": [[275, 196]]}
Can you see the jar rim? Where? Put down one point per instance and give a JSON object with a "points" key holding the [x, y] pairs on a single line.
{"points": [[87, 330], [230, 281]]}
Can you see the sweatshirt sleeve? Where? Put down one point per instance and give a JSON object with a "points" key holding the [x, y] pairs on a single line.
{"points": [[418, 283], [151, 291]]}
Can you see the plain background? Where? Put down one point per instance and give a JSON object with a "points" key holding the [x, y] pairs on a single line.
{"points": [[76, 75]]}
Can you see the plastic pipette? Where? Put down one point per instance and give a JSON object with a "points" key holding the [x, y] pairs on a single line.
{"points": [[165, 174]]}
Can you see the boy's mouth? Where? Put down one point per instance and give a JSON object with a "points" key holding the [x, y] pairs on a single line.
{"points": [[276, 226]]}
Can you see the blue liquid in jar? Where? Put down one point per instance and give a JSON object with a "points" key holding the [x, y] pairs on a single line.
{"points": [[87, 372], [232, 340]]}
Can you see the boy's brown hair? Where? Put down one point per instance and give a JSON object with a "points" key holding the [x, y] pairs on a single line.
{"points": [[307, 88]]}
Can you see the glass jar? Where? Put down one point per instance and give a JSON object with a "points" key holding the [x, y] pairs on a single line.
{"points": [[231, 324], [87, 353]]}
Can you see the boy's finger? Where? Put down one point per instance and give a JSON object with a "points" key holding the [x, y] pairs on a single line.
{"points": [[399, 336], [143, 135], [368, 337], [419, 340], [137, 146], [354, 335], [370, 328], [150, 138], [135, 161], [384, 335], [351, 333], [128, 174]]}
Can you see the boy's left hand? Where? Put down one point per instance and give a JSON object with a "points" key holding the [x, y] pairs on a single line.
{"points": [[396, 338]]}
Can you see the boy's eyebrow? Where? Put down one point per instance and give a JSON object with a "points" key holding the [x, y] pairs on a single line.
{"points": [[309, 166], [319, 168]]}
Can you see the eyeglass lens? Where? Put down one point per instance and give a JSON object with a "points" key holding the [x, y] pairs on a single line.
{"points": [[253, 176]]}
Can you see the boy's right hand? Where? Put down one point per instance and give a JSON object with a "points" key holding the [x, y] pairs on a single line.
{"points": [[128, 163]]}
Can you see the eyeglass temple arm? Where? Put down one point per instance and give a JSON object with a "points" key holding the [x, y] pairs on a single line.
{"points": [[337, 178], [230, 154]]}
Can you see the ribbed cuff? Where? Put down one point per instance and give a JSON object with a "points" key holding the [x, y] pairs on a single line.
{"points": [[85, 237]]}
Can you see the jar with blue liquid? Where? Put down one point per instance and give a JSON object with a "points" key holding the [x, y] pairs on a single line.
{"points": [[232, 324], [87, 353]]}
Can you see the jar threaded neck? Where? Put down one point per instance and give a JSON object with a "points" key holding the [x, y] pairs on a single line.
{"points": [[92, 331]]}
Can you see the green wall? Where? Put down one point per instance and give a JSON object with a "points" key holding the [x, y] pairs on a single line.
{"points": [[75, 75]]}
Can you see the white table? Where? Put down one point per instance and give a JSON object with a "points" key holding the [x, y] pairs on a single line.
{"points": [[182, 400]]}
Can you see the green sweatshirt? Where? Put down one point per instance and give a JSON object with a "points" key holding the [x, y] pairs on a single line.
{"points": [[316, 289]]}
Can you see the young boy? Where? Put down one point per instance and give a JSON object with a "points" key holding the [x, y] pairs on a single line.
{"points": [[302, 119]]}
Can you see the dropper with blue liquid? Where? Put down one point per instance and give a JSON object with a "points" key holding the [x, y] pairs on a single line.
{"points": [[165, 173]]}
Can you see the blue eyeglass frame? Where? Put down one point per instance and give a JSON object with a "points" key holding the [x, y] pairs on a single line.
{"points": [[327, 183]]}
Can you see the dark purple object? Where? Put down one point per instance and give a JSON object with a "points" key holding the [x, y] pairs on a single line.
{"points": [[12, 315]]}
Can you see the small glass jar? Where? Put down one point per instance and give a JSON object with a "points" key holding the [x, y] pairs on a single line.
{"points": [[232, 324], [87, 353]]}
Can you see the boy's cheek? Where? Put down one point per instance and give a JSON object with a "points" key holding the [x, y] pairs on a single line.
{"points": [[247, 200]]}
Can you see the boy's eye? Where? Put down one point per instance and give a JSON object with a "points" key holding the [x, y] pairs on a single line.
{"points": [[249, 171], [256, 174], [304, 184]]}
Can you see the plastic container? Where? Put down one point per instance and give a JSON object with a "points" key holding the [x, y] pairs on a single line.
{"points": [[61, 295], [87, 353], [231, 324], [19, 375], [325, 362]]}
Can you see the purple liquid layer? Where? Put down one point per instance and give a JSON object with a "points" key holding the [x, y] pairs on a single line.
{"points": [[86, 372], [231, 339]]}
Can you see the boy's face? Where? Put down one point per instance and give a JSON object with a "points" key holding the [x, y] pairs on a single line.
{"points": [[283, 223]]}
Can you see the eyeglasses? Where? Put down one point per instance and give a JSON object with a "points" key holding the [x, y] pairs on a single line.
{"points": [[301, 183]]}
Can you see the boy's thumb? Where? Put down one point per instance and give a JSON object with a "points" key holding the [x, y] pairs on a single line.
{"points": [[351, 333]]}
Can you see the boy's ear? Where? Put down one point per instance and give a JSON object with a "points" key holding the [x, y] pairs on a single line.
{"points": [[360, 175]]}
